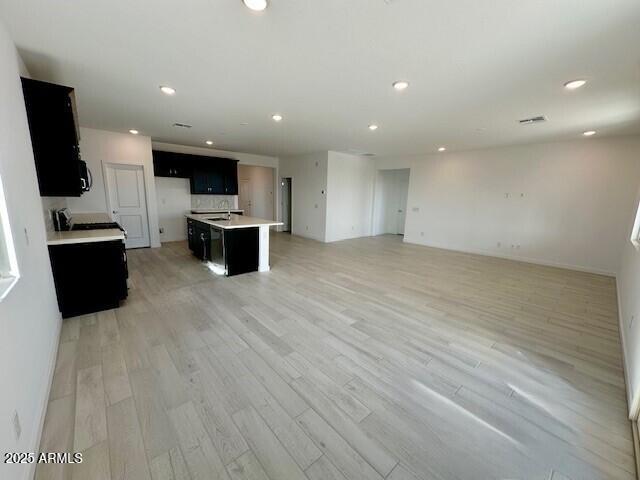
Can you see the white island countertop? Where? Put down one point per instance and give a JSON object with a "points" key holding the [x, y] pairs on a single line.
{"points": [[216, 210], [236, 221]]}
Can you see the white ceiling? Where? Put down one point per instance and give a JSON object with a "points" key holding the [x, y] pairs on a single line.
{"points": [[475, 68]]}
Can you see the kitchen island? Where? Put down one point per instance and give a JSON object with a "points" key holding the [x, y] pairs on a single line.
{"points": [[231, 244]]}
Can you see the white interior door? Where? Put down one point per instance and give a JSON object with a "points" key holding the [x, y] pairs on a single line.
{"points": [[244, 197], [285, 203], [402, 192], [128, 202]]}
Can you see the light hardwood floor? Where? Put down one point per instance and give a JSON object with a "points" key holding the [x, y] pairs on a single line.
{"points": [[364, 359]]}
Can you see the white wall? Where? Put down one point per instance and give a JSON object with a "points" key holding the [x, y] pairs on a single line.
{"points": [[391, 191], [29, 318], [308, 198], [261, 190], [568, 203], [628, 283], [174, 202], [350, 183], [99, 147]]}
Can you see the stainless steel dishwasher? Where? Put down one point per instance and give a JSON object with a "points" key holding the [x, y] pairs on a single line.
{"points": [[217, 247]]}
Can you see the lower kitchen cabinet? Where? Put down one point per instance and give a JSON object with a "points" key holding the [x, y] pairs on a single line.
{"points": [[235, 250], [241, 250], [89, 277]]}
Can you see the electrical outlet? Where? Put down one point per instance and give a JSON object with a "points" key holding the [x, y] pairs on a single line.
{"points": [[499, 244], [506, 195], [316, 205], [415, 209], [307, 227], [422, 234], [17, 429]]}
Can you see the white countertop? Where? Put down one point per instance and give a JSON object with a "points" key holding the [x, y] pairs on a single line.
{"points": [[237, 221], [84, 236], [215, 210]]}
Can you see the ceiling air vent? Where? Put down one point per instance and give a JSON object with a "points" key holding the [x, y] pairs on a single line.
{"points": [[532, 120], [182, 125]]}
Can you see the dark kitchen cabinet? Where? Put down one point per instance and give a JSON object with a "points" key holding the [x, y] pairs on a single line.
{"points": [[191, 233], [230, 174], [208, 180], [241, 250], [207, 175], [237, 250], [202, 240], [54, 137], [169, 164], [89, 277]]}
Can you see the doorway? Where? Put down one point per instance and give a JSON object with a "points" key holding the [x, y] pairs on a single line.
{"points": [[244, 197], [127, 202], [285, 203], [390, 207]]}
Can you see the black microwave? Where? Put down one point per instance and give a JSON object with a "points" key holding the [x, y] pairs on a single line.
{"points": [[86, 179]]}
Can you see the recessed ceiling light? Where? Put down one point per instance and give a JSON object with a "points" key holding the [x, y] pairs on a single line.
{"points": [[373, 127], [574, 84], [442, 149], [400, 85], [167, 90], [255, 5], [209, 142], [589, 133], [276, 117], [134, 132]]}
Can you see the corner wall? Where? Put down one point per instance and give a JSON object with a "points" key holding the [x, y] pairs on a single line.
{"points": [[628, 283], [566, 204], [350, 185], [308, 193], [29, 317]]}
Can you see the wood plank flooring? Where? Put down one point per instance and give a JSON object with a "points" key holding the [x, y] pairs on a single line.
{"points": [[364, 359]]}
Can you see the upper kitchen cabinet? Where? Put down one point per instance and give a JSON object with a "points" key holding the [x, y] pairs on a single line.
{"points": [[208, 175], [207, 179], [54, 138], [169, 164], [230, 174]]}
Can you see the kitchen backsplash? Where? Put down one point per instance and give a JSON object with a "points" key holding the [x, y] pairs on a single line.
{"points": [[214, 201]]}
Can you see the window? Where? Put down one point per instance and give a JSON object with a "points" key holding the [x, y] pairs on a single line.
{"points": [[8, 262], [635, 233]]}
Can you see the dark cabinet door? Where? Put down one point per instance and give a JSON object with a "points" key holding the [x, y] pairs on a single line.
{"points": [[241, 249], [207, 180], [89, 277], [169, 164], [202, 240], [52, 124], [230, 169], [190, 233]]}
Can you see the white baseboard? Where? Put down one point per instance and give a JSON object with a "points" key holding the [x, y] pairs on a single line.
{"points": [[31, 471], [517, 258]]}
